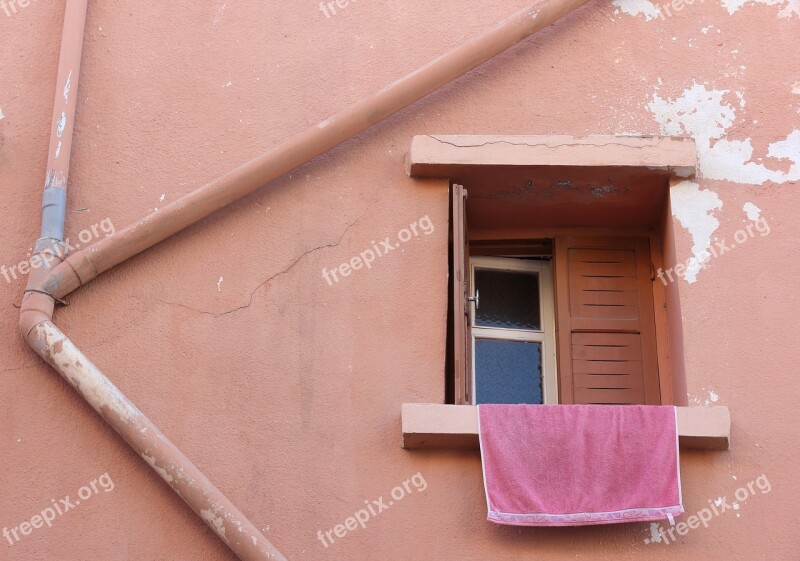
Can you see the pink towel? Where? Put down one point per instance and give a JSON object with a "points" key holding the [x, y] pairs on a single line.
{"points": [[569, 465]]}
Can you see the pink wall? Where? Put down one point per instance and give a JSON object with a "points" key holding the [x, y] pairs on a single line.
{"points": [[286, 390]]}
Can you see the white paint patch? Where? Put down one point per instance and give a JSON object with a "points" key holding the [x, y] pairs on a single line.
{"points": [[214, 521], [67, 85], [706, 116], [1, 115], [62, 122], [219, 284], [228, 85], [788, 149], [795, 89], [788, 7], [753, 212], [636, 7], [161, 198], [58, 149], [712, 395], [654, 536], [694, 209], [705, 30]]}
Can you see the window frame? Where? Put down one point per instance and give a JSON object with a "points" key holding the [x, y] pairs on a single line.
{"points": [[546, 337]]}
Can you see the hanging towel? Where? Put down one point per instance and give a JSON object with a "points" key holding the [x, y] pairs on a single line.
{"points": [[570, 465]]}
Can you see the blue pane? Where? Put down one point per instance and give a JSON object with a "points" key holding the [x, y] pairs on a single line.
{"points": [[508, 371]]}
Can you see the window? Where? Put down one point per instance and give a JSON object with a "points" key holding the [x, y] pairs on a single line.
{"points": [[512, 331], [568, 318]]}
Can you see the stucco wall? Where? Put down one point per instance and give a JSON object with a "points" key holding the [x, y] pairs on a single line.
{"points": [[286, 390]]}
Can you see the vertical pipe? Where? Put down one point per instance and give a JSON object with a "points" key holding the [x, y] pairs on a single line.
{"points": [[54, 201]]}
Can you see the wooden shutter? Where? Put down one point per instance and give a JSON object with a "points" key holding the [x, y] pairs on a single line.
{"points": [[606, 323], [462, 353]]}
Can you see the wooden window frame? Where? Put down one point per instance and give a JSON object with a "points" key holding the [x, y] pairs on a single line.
{"points": [[547, 336], [463, 394]]}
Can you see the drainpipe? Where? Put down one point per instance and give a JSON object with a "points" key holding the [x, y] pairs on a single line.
{"points": [[88, 263], [57, 279]]}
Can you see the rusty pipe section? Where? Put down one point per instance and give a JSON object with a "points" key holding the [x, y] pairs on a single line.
{"points": [[88, 263], [150, 443], [54, 200]]}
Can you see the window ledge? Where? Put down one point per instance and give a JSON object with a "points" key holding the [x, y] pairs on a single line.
{"points": [[428, 425]]}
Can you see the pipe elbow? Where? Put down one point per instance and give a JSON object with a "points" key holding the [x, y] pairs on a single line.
{"points": [[38, 302]]}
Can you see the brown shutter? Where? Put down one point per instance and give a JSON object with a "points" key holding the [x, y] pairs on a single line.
{"points": [[462, 353], [606, 323]]}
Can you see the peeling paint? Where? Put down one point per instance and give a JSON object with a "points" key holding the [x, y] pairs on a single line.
{"points": [[694, 209], [706, 116], [788, 7], [216, 522], [636, 7], [67, 86], [753, 212], [164, 474], [62, 122]]}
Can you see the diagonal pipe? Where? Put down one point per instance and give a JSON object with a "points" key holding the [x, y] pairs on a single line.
{"points": [[57, 278]]}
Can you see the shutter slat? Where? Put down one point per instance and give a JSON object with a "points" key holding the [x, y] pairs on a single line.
{"points": [[610, 397], [594, 381]]}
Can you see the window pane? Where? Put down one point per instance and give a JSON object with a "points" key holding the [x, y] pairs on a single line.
{"points": [[507, 299], [508, 371]]}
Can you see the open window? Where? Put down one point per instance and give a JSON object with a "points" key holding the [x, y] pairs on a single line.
{"points": [[589, 339], [580, 228]]}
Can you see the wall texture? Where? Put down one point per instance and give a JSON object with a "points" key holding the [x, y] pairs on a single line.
{"points": [[286, 390]]}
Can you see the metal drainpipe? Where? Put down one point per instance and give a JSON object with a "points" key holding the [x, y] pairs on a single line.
{"points": [[53, 282]]}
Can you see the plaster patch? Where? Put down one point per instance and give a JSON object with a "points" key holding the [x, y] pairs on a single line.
{"points": [[694, 209], [705, 115], [1, 115], [753, 212], [796, 88], [636, 7], [58, 149], [219, 284], [788, 7]]}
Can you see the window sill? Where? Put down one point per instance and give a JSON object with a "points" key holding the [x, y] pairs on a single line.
{"points": [[428, 425]]}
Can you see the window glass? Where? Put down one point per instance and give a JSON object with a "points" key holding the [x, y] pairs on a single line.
{"points": [[508, 299], [508, 371]]}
